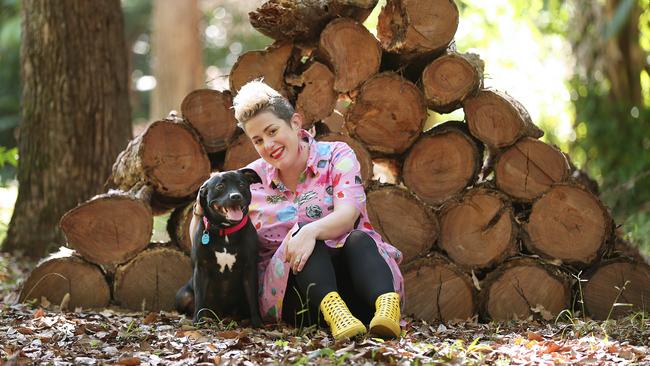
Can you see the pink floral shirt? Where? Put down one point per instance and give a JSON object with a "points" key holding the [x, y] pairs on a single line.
{"points": [[332, 177]]}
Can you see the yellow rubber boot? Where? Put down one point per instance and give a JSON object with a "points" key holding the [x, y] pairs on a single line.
{"points": [[385, 323], [341, 321]]}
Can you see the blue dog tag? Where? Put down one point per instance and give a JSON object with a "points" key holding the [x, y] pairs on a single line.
{"points": [[205, 238]]}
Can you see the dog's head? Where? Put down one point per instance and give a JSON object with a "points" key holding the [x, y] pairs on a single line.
{"points": [[225, 196]]}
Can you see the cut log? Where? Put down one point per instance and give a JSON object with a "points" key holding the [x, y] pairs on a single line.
{"points": [[363, 156], [150, 280], [449, 79], [522, 287], [109, 229], [304, 20], [168, 156], [478, 230], [529, 168], [402, 220], [178, 227], [66, 273], [617, 288], [388, 115], [497, 119], [352, 51], [570, 224], [317, 99], [240, 153], [417, 27], [437, 291], [269, 64], [443, 161], [335, 121], [210, 113]]}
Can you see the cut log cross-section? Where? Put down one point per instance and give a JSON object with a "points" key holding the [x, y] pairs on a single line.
{"points": [[269, 64], [522, 287], [402, 220], [388, 115], [210, 113], [529, 168], [362, 155], [317, 99], [417, 27], [178, 227], [570, 224], [437, 291], [444, 161], [478, 230], [617, 288], [240, 153], [303, 20], [449, 79], [109, 229], [66, 273], [150, 280], [352, 51], [167, 156], [497, 119]]}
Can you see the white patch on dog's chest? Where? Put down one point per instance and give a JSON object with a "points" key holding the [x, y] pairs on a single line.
{"points": [[225, 260]]}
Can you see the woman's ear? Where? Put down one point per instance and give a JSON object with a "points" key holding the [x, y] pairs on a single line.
{"points": [[296, 121]]}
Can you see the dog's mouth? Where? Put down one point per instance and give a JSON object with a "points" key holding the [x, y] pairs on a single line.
{"points": [[232, 213]]}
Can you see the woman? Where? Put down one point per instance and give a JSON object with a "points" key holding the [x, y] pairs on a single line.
{"points": [[318, 249]]}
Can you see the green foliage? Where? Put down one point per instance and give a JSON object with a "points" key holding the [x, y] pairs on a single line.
{"points": [[9, 86]]}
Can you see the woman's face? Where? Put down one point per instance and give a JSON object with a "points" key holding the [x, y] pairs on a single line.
{"points": [[275, 140]]}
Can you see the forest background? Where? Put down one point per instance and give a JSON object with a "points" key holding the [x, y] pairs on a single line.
{"points": [[580, 67]]}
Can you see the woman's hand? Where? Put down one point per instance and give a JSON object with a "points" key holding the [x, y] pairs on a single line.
{"points": [[299, 247]]}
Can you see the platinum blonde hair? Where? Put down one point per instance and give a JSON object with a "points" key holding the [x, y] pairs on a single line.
{"points": [[256, 97]]}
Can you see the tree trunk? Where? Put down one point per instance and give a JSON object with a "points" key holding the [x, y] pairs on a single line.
{"points": [[437, 291], [402, 220], [269, 64], [352, 51], [523, 287], [66, 273], [110, 228], [529, 168], [363, 156], [451, 78], [210, 113], [388, 115], [176, 54], [75, 113], [168, 156], [417, 27], [317, 99], [478, 230], [442, 163], [609, 295], [150, 280], [240, 153], [570, 224], [303, 20], [497, 119]]}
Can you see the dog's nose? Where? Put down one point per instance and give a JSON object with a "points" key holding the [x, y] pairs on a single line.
{"points": [[235, 196]]}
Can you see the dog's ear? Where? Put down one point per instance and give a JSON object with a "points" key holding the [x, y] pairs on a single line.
{"points": [[250, 175], [203, 195]]}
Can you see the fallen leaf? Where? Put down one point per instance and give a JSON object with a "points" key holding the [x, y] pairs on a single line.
{"points": [[129, 361], [532, 336], [39, 313], [150, 318]]}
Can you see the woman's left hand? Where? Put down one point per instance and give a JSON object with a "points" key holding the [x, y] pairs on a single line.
{"points": [[299, 247]]}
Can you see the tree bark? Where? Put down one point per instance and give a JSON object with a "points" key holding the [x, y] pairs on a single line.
{"points": [[451, 78], [210, 113], [388, 115], [570, 224], [303, 20], [176, 54], [437, 291], [66, 273], [497, 119], [402, 220], [522, 287], [75, 113], [150, 280], [442, 163], [529, 168], [478, 230]]}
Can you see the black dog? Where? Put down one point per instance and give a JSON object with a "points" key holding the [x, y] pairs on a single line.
{"points": [[224, 252]]}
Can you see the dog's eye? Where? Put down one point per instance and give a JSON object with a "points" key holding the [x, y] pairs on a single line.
{"points": [[242, 184], [219, 187]]}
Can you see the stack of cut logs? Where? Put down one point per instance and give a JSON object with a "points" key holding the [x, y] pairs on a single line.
{"points": [[491, 221]]}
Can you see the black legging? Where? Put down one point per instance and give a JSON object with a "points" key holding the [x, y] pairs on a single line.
{"points": [[357, 271]]}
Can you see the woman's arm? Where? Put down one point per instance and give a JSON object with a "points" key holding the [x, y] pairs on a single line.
{"points": [[338, 222]]}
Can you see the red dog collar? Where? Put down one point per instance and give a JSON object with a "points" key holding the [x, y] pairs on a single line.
{"points": [[229, 230]]}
